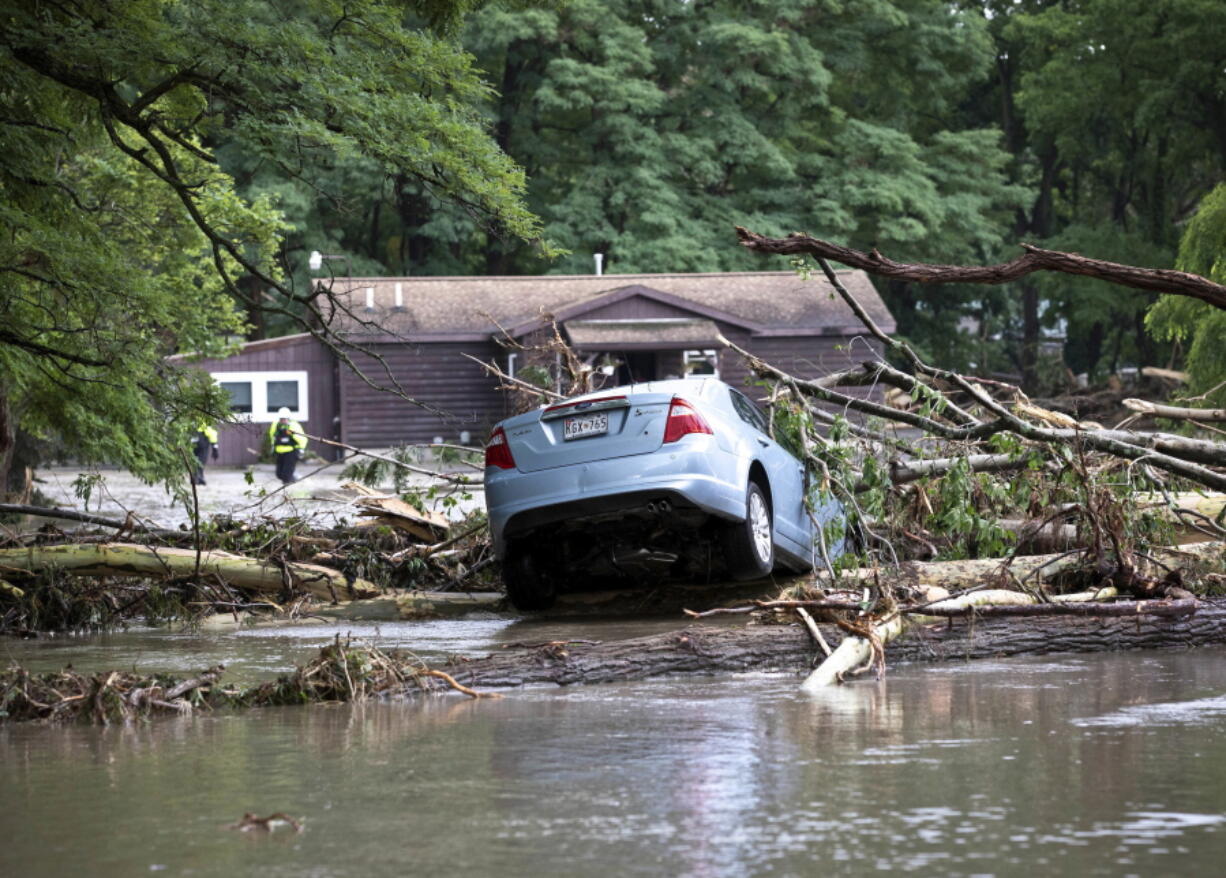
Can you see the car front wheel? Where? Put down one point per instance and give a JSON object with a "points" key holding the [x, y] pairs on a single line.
{"points": [[749, 547]]}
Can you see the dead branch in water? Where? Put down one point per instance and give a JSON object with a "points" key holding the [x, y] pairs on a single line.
{"points": [[707, 650], [451, 681]]}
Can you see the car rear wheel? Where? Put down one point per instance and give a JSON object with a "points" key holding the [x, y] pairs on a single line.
{"points": [[529, 587], [749, 548]]}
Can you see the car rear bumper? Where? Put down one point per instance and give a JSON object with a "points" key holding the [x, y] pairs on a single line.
{"points": [[694, 475]]}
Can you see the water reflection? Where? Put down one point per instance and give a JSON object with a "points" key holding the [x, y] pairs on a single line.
{"points": [[1095, 765]]}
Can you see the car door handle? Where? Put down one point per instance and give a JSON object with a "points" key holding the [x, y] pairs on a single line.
{"points": [[765, 443]]}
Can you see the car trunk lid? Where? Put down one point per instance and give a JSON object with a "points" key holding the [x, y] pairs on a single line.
{"points": [[588, 429]]}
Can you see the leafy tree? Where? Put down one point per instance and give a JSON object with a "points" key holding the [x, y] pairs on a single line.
{"points": [[124, 241], [1201, 327], [1115, 111], [649, 128]]}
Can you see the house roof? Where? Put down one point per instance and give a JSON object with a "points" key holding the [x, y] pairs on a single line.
{"points": [[765, 302], [658, 333]]}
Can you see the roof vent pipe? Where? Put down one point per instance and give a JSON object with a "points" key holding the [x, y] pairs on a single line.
{"points": [[599, 257], [399, 296]]}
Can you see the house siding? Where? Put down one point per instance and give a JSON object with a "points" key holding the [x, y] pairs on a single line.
{"points": [[433, 373], [240, 444], [459, 396], [814, 356]]}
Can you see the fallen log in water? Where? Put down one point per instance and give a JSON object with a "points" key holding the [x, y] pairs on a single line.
{"points": [[130, 559], [1182, 607], [955, 575], [345, 672], [711, 650]]}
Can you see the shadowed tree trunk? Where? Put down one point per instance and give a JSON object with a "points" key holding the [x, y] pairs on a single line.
{"points": [[8, 442]]}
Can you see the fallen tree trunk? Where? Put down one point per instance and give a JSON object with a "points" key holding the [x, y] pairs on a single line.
{"points": [[1180, 607], [1034, 537], [1174, 412], [712, 650], [911, 470], [130, 559], [955, 575]]}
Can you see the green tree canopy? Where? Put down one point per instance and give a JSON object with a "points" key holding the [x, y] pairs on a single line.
{"points": [[123, 239], [1117, 117], [1198, 326]]}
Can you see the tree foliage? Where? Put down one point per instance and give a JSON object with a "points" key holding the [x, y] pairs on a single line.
{"points": [[1115, 111], [649, 128], [1198, 326], [124, 241], [167, 164]]}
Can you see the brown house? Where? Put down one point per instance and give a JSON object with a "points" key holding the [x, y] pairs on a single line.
{"points": [[632, 327]]}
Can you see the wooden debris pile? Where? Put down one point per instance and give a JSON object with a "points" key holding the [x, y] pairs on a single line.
{"points": [[55, 579], [343, 671]]}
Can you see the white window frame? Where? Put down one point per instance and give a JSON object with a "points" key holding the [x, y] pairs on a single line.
{"points": [[707, 355], [259, 394]]}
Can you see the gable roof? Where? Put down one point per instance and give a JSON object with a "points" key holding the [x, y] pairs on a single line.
{"points": [[764, 302], [667, 332]]}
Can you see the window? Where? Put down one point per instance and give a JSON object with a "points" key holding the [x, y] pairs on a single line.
{"points": [[256, 396], [240, 395], [748, 411], [282, 393], [701, 363]]}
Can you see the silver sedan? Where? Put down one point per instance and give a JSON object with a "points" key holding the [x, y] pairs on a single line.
{"points": [[670, 478]]}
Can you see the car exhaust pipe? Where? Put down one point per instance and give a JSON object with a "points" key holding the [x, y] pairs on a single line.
{"points": [[651, 507], [665, 507]]}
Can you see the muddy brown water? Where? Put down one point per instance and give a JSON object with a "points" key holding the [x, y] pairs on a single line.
{"points": [[1089, 765]]}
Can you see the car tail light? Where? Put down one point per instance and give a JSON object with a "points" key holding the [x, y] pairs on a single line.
{"points": [[683, 420], [498, 452]]}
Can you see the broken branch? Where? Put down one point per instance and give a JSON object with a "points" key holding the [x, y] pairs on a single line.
{"points": [[1154, 280], [1174, 412]]}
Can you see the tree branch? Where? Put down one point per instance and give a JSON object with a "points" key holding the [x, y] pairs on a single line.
{"points": [[1174, 412], [1154, 280]]}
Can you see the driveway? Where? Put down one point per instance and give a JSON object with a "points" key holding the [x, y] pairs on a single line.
{"points": [[229, 491]]}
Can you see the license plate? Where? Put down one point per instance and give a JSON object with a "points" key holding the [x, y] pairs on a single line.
{"points": [[585, 425]]}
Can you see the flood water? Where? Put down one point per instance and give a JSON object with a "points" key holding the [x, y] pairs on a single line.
{"points": [[1088, 765]]}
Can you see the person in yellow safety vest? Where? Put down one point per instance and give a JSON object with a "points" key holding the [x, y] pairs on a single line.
{"points": [[288, 443], [204, 438]]}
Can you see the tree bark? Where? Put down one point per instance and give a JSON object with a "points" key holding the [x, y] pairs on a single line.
{"points": [[911, 470], [712, 650], [8, 441]]}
